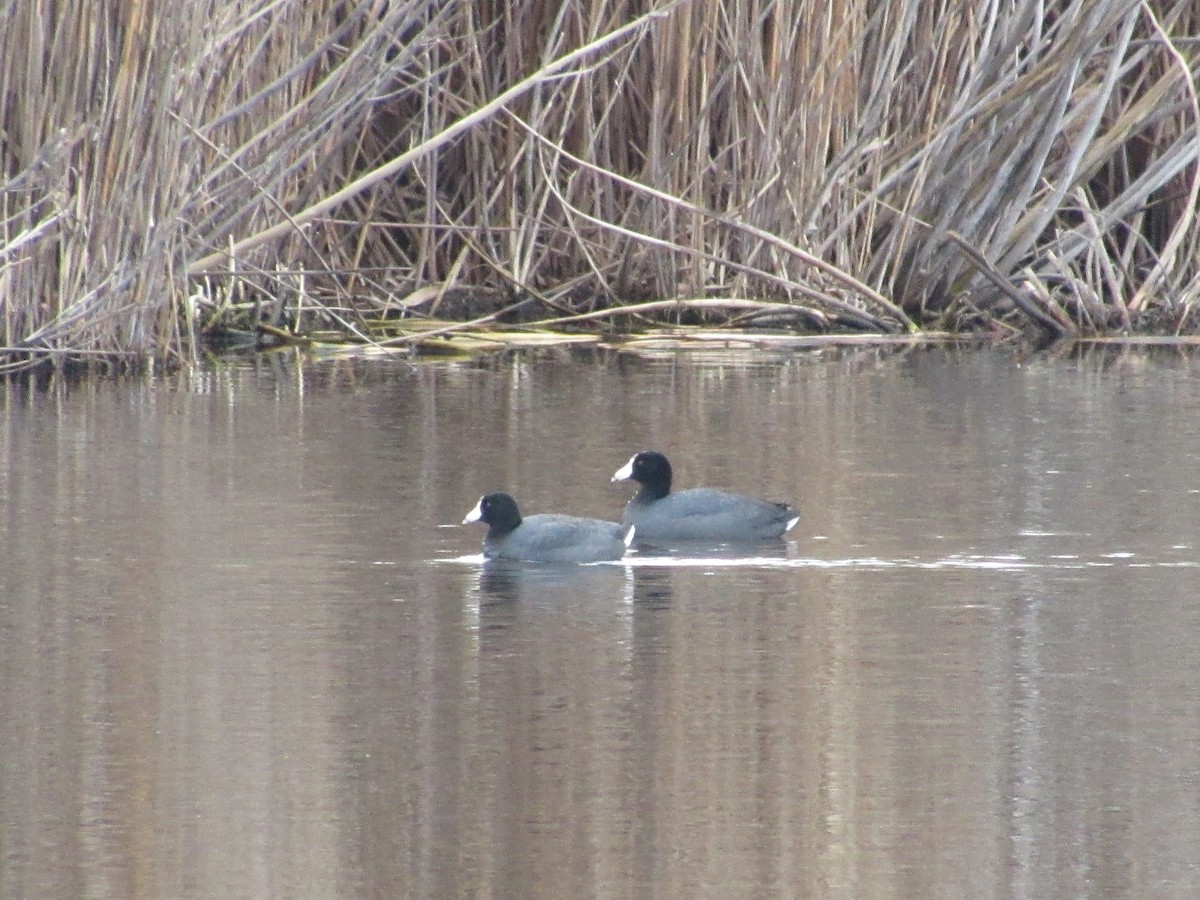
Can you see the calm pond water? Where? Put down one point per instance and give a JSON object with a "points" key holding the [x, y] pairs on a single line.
{"points": [[247, 651]]}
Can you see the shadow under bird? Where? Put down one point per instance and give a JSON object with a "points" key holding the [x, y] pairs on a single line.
{"points": [[546, 537], [696, 514]]}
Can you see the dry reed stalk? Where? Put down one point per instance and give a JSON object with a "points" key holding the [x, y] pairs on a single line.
{"points": [[880, 162], [136, 137], [735, 145]]}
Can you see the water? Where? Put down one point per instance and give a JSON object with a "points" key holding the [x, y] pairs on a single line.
{"points": [[247, 650]]}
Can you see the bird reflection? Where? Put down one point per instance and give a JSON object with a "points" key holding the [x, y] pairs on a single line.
{"points": [[737, 550], [499, 582], [506, 581], [652, 588]]}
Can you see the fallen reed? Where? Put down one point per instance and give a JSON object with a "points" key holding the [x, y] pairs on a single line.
{"points": [[293, 167]]}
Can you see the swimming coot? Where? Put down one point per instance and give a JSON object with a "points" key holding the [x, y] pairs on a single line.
{"points": [[545, 538], [697, 514]]}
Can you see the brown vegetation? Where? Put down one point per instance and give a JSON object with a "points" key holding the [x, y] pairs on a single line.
{"points": [[316, 164]]}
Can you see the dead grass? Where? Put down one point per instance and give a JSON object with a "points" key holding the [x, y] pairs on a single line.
{"points": [[312, 164]]}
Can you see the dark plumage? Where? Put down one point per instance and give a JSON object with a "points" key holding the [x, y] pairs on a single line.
{"points": [[545, 537], [697, 514]]}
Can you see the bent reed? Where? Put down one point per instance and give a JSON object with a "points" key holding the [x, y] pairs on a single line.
{"points": [[295, 170]]}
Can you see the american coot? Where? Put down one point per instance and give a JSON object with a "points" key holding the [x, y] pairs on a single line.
{"points": [[698, 514], [545, 538]]}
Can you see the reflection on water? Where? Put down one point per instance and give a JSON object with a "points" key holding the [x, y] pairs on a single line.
{"points": [[247, 652], [504, 581]]}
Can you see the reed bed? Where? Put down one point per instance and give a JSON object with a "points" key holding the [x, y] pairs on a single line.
{"points": [[350, 170]]}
